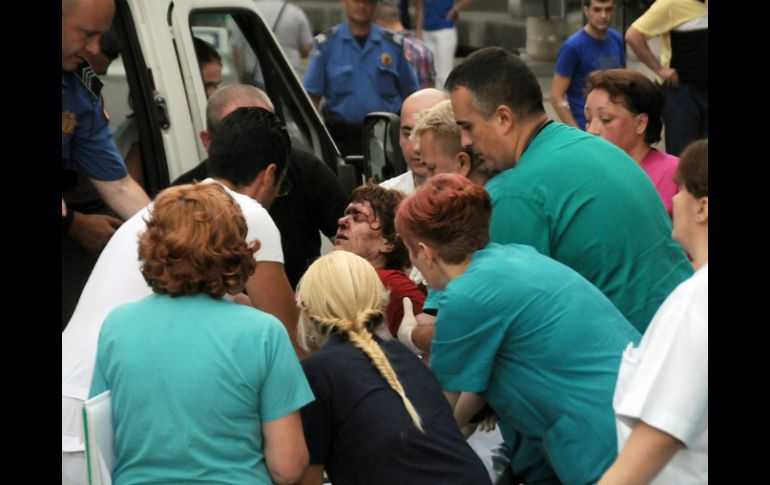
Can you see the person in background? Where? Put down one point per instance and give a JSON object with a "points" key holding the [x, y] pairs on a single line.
{"points": [[625, 108], [379, 415], [357, 68], [109, 50], [683, 68], [594, 47], [368, 230], [436, 24], [416, 51], [292, 29], [413, 104], [215, 407], [210, 65], [311, 198], [661, 398], [506, 329]]}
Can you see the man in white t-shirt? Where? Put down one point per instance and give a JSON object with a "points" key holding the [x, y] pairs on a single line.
{"points": [[248, 156], [412, 105]]}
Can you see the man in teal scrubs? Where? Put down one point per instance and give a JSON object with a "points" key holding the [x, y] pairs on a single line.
{"points": [[573, 197]]}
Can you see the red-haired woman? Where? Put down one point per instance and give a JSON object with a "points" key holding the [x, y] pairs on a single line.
{"points": [[533, 338], [202, 388]]}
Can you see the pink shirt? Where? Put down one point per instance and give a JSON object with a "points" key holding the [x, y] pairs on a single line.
{"points": [[660, 167]]}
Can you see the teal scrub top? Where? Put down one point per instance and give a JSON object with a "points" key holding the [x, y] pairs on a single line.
{"points": [[542, 346]]}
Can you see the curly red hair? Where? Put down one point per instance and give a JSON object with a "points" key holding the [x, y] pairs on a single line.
{"points": [[196, 243]]}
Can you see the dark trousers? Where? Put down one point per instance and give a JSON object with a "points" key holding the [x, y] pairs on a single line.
{"points": [[685, 116]]}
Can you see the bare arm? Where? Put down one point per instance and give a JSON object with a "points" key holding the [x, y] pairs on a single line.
{"points": [[454, 12], [316, 101], [305, 49], [314, 475], [647, 451], [269, 290], [124, 196], [419, 17], [93, 231], [559, 99], [638, 43], [452, 397], [422, 335], [468, 404], [285, 449]]}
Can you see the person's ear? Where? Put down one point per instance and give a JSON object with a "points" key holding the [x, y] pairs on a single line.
{"points": [[205, 139], [702, 211], [271, 175], [505, 118], [642, 120], [464, 159]]}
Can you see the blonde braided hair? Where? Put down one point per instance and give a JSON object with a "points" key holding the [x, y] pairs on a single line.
{"points": [[341, 291]]}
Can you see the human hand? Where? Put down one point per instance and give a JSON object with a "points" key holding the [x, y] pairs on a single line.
{"points": [[488, 423], [408, 323], [669, 76], [453, 14], [93, 231], [63, 208]]}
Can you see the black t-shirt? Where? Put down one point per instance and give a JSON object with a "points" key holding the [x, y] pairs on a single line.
{"points": [[315, 202], [360, 430]]}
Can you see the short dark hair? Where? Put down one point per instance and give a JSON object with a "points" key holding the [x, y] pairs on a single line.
{"points": [[497, 76], [693, 169], [205, 53], [587, 3], [384, 204], [636, 93], [246, 142]]}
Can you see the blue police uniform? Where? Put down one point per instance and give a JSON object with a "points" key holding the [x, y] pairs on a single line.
{"points": [[86, 141], [356, 81]]}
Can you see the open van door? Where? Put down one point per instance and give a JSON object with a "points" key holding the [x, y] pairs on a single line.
{"points": [[168, 99]]}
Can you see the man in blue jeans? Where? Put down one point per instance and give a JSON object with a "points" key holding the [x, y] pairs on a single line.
{"points": [[683, 67]]}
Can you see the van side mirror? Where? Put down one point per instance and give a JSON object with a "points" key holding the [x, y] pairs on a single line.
{"points": [[382, 152]]}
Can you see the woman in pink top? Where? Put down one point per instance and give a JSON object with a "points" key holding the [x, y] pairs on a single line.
{"points": [[625, 108]]}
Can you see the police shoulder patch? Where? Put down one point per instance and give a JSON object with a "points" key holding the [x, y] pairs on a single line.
{"points": [[325, 35], [90, 80]]}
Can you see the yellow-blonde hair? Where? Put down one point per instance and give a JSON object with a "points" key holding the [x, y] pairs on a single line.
{"points": [[342, 292]]}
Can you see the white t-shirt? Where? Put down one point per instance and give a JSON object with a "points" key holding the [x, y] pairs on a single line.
{"points": [[664, 382], [404, 183], [115, 280]]}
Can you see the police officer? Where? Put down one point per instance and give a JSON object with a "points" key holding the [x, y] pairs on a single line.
{"points": [[357, 67], [87, 147]]}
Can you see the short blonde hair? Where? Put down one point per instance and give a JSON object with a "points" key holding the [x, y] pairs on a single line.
{"points": [[441, 119], [341, 292]]}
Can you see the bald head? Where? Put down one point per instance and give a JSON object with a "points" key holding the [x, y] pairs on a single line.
{"points": [[226, 100], [416, 102], [82, 23]]}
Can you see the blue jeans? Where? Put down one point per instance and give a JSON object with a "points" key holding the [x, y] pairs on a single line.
{"points": [[685, 116]]}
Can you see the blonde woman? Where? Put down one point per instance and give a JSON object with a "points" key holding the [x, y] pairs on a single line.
{"points": [[379, 414]]}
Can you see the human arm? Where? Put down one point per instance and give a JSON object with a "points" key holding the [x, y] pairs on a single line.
{"points": [[93, 231], [269, 290], [468, 405], [415, 335], [419, 17], [638, 43], [559, 99], [286, 454], [314, 475], [454, 12], [123, 195], [646, 452]]}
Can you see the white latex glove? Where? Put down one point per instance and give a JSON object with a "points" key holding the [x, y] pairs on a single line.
{"points": [[407, 326]]}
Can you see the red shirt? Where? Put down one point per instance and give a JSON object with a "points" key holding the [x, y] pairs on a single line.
{"points": [[400, 286]]}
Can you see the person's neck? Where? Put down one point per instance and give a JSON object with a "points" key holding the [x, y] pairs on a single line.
{"points": [[639, 151], [359, 29], [596, 34], [418, 180], [526, 133], [450, 271], [700, 251]]}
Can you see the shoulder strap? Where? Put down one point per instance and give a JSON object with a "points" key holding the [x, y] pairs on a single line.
{"points": [[280, 13]]}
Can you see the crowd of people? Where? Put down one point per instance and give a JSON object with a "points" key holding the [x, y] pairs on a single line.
{"points": [[546, 279]]}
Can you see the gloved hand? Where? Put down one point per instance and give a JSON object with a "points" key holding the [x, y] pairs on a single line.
{"points": [[407, 326]]}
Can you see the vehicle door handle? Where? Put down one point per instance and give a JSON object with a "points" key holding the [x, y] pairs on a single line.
{"points": [[162, 111]]}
